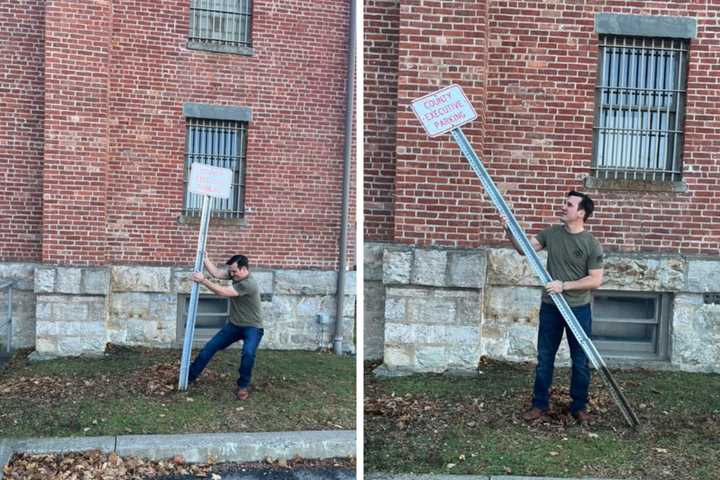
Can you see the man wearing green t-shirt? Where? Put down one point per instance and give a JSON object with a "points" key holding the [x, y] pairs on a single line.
{"points": [[575, 262], [245, 319]]}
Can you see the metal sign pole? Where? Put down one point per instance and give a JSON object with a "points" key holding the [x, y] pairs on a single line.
{"points": [[194, 296], [562, 305]]}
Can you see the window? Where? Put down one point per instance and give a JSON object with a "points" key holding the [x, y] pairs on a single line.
{"points": [[631, 325], [220, 143], [212, 314], [640, 101], [221, 25]]}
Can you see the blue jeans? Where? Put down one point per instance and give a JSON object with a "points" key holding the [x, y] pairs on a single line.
{"points": [[228, 335], [550, 333]]}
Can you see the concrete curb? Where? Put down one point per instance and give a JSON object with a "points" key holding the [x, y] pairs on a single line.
{"points": [[198, 447]]}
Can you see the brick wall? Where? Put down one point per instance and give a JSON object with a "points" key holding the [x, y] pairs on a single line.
{"points": [[130, 73], [537, 97], [21, 129], [381, 19]]}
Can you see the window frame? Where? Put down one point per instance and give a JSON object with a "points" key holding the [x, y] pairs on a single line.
{"points": [[240, 46], [213, 117], [643, 28], [623, 349], [203, 334]]}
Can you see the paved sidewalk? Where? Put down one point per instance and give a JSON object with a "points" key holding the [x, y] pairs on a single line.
{"points": [[412, 476], [197, 447]]}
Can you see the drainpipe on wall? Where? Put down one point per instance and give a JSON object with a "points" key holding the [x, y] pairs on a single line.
{"points": [[342, 261]]}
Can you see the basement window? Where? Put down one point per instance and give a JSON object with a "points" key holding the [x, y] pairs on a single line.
{"points": [[631, 325], [212, 314], [223, 26]]}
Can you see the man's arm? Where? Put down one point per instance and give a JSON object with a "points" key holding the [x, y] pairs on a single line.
{"points": [[592, 281], [533, 241], [214, 271], [218, 289]]}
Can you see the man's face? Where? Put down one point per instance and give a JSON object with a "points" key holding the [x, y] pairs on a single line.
{"points": [[571, 212], [236, 273]]}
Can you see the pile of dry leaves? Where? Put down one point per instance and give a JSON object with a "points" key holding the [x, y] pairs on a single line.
{"points": [[100, 466]]}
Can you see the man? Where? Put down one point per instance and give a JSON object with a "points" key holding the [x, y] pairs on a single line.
{"points": [[245, 319], [575, 262]]}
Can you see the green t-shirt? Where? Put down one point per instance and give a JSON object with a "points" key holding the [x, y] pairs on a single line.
{"points": [[245, 309], [571, 256]]}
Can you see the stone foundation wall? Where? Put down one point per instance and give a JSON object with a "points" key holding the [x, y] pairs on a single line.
{"points": [[441, 309], [68, 311]]}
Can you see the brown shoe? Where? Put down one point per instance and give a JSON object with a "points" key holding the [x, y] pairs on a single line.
{"points": [[242, 394], [582, 417], [533, 414]]}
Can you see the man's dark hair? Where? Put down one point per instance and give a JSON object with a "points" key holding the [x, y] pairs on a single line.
{"points": [[585, 204], [241, 260]]}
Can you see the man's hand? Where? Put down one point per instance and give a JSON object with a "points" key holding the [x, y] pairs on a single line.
{"points": [[197, 277], [556, 286]]}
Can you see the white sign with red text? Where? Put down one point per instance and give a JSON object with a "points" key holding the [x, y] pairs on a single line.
{"points": [[441, 111], [209, 180]]}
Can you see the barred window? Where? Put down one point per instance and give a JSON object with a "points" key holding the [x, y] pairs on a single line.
{"points": [[640, 102], [220, 25], [220, 143]]}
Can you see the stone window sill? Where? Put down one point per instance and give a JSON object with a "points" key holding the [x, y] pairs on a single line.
{"points": [[195, 220], [232, 49], [635, 185]]}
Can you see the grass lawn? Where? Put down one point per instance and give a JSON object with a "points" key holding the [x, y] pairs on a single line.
{"points": [[441, 424], [133, 390]]}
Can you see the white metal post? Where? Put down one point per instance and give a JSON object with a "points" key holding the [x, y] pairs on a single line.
{"points": [[194, 296]]}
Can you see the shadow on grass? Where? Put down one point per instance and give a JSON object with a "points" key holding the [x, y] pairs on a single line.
{"points": [[441, 424], [133, 390]]}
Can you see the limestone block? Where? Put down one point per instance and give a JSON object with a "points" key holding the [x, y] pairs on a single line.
{"points": [[397, 265], [23, 274], [429, 267], [311, 306], [95, 281], [430, 334], [24, 308], [395, 309], [399, 333], [304, 282], [438, 309], [264, 280], [348, 306], [70, 312], [467, 269], [43, 311], [141, 279], [67, 280], [703, 276], [695, 334], [506, 304], [462, 335], [373, 261], [44, 280], [76, 346], [469, 308], [180, 281], [463, 357], [283, 308], [130, 305], [430, 358], [522, 342], [506, 267], [644, 274], [163, 308], [399, 356], [79, 329], [374, 320]]}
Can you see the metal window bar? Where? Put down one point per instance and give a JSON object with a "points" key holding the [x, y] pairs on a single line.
{"points": [[640, 98], [220, 143], [221, 22]]}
